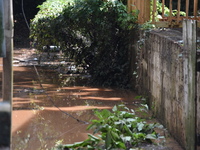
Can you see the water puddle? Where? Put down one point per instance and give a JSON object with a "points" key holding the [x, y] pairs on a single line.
{"points": [[52, 104], [60, 110]]}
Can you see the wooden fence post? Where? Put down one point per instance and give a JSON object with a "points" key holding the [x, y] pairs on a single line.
{"points": [[2, 38], [7, 61], [189, 64], [7, 75]]}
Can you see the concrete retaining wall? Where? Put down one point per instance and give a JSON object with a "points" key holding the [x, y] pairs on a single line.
{"points": [[162, 77]]}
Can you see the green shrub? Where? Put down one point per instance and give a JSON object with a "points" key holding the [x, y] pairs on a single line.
{"points": [[41, 25], [95, 33], [118, 129]]}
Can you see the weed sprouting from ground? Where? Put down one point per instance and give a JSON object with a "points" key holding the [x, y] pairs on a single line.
{"points": [[119, 128]]}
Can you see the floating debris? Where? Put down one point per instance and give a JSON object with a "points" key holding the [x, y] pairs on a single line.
{"points": [[31, 90]]}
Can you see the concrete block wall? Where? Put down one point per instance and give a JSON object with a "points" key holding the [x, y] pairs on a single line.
{"points": [[198, 92], [198, 101], [162, 78], [198, 108]]}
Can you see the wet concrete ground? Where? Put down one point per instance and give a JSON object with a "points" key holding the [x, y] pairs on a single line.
{"points": [[44, 115]]}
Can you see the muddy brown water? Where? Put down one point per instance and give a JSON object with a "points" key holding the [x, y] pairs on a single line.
{"points": [[38, 124], [39, 113], [43, 116]]}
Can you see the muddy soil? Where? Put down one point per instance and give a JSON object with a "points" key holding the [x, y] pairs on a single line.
{"points": [[51, 105]]}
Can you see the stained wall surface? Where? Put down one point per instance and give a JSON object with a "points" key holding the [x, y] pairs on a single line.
{"points": [[163, 78]]}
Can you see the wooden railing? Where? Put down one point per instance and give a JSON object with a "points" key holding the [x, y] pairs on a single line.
{"points": [[148, 12]]}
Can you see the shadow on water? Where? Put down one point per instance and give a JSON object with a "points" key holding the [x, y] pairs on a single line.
{"points": [[57, 105], [59, 110]]}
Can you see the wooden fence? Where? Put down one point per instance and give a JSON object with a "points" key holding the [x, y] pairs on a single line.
{"points": [[148, 11]]}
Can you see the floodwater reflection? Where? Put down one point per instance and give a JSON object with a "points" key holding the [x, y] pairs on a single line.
{"points": [[40, 116]]}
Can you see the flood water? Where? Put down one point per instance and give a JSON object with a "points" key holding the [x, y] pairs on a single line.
{"points": [[56, 108], [51, 105]]}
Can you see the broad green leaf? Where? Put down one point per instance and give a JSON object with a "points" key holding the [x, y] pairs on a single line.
{"points": [[133, 111], [115, 136], [77, 144], [140, 126], [129, 132], [127, 139], [121, 145], [114, 108], [117, 122], [151, 136], [161, 137], [93, 137], [108, 140], [145, 105]]}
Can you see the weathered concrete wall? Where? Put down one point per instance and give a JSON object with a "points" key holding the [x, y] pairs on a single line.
{"points": [[198, 101], [161, 76], [198, 109]]}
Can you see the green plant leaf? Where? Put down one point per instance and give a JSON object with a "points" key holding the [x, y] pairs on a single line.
{"points": [[108, 140], [140, 126], [127, 139], [114, 108], [115, 135], [77, 144], [93, 137], [151, 136], [130, 120], [121, 145], [115, 132]]}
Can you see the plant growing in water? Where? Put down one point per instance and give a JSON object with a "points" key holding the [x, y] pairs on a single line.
{"points": [[120, 128]]}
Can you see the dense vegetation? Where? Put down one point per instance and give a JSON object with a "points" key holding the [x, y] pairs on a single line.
{"points": [[94, 33]]}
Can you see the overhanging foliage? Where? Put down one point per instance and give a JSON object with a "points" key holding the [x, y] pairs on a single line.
{"points": [[94, 33]]}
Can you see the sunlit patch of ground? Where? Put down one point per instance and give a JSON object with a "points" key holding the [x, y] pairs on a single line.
{"points": [[76, 108]]}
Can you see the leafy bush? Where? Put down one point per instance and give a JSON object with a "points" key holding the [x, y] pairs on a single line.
{"points": [[119, 129], [41, 26], [94, 33]]}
